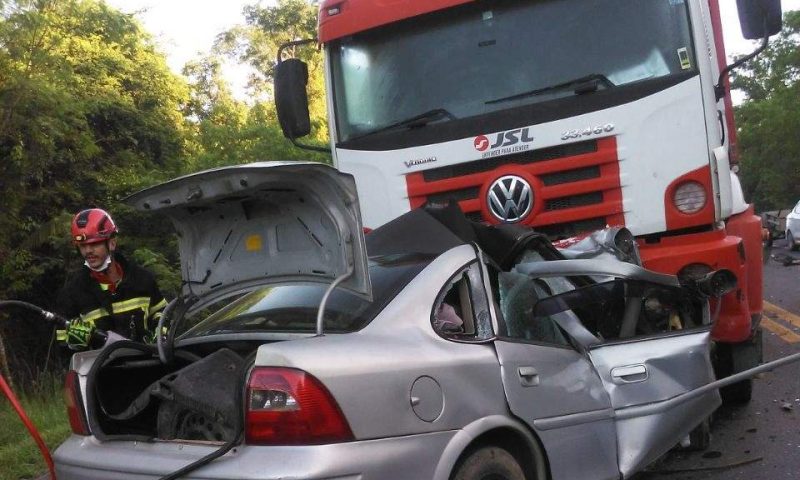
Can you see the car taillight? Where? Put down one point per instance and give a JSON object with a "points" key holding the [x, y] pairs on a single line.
{"points": [[689, 197], [74, 401], [286, 406]]}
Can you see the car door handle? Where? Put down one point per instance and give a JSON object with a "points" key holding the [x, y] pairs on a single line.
{"points": [[629, 374], [528, 376]]}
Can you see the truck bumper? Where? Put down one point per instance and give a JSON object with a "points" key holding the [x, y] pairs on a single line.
{"points": [[737, 248]]}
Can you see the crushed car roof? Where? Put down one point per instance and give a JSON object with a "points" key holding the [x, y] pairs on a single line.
{"points": [[434, 230]]}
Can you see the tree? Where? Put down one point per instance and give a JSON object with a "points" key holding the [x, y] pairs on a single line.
{"points": [[769, 119], [89, 112], [257, 44]]}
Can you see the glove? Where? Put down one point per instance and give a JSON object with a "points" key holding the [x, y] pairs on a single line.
{"points": [[78, 335]]}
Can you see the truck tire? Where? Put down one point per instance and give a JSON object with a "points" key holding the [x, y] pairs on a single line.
{"points": [[489, 463], [733, 358], [700, 437]]}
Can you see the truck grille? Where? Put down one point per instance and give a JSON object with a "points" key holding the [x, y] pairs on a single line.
{"points": [[576, 186]]}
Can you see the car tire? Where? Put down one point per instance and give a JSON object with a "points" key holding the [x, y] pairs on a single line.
{"points": [[489, 463], [790, 241]]}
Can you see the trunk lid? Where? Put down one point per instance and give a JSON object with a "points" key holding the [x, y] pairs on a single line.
{"points": [[263, 223]]}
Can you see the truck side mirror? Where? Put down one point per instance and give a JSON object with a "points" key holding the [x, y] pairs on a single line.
{"points": [[291, 98], [759, 18]]}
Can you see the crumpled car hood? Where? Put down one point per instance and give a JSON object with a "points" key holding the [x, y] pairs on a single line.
{"points": [[263, 223]]}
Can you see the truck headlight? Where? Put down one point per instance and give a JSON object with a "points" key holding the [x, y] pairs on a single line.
{"points": [[690, 197]]}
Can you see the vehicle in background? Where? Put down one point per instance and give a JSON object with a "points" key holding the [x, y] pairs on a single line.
{"points": [[455, 351], [562, 115], [793, 228]]}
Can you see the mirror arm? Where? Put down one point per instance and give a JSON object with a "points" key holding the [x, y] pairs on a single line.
{"points": [[293, 43], [310, 147], [719, 88]]}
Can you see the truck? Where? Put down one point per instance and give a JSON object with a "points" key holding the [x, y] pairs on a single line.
{"points": [[565, 116]]}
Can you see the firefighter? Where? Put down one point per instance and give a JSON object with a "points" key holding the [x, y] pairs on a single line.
{"points": [[109, 292]]}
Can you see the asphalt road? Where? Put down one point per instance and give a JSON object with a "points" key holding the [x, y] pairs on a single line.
{"points": [[760, 440]]}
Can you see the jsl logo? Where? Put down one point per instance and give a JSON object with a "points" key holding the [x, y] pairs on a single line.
{"points": [[504, 139]]}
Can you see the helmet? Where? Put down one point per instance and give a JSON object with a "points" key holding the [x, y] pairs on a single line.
{"points": [[92, 226]]}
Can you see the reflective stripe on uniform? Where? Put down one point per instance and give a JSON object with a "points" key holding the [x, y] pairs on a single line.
{"points": [[61, 335], [138, 303], [90, 317]]}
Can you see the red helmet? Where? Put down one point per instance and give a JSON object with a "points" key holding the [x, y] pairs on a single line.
{"points": [[92, 226]]}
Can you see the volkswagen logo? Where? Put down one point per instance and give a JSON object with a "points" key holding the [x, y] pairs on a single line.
{"points": [[510, 199]]}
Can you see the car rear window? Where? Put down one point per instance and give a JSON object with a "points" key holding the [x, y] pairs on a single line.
{"points": [[293, 308]]}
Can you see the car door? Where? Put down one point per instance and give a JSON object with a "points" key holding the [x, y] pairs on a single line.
{"points": [[651, 344], [552, 385]]}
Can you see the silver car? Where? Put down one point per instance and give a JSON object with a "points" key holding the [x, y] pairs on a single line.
{"points": [[453, 351]]}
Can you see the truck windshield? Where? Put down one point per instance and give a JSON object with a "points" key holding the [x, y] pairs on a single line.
{"points": [[492, 55]]}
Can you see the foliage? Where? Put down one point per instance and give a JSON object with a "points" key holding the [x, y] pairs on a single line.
{"points": [[89, 113], [257, 43], [227, 131], [769, 119]]}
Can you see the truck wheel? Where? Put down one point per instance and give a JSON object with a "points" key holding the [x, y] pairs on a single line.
{"points": [[700, 437], [489, 463], [738, 393], [734, 358]]}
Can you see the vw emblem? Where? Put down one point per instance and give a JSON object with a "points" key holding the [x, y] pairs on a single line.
{"points": [[510, 199]]}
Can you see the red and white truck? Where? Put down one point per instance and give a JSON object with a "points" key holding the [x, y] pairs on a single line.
{"points": [[567, 116]]}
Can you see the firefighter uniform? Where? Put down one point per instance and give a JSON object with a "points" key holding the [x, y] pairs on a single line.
{"points": [[131, 309]]}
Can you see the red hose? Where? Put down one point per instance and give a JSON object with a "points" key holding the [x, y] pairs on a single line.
{"points": [[29, 425]]}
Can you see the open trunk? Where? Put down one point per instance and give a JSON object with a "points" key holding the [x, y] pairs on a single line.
{"points": [[131, 394]]}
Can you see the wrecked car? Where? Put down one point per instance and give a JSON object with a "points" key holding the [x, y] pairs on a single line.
{"points": [[434, 348]]}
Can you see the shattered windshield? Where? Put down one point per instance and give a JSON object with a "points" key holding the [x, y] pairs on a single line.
{"points": [[492, 55], [293, 308]]}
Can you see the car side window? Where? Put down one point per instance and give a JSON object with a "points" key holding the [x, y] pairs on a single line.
{"points": [[797, 208], [519, 295], [461, 309]]}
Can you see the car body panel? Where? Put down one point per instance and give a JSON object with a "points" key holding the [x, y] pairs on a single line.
{"points": [[379, 459], [415, 395], [360, 359], [793, 225], [649, 371], [632, 372], [566, 392], [260, 223]]}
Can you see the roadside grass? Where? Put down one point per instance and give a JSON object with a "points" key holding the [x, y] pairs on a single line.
{"points": [[19, 456]]}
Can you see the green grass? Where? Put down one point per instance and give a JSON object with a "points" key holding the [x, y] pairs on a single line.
{"points": [[19, 456]]}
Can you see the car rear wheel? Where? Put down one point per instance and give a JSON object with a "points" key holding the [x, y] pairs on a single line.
{"points": [[489, 463]]}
